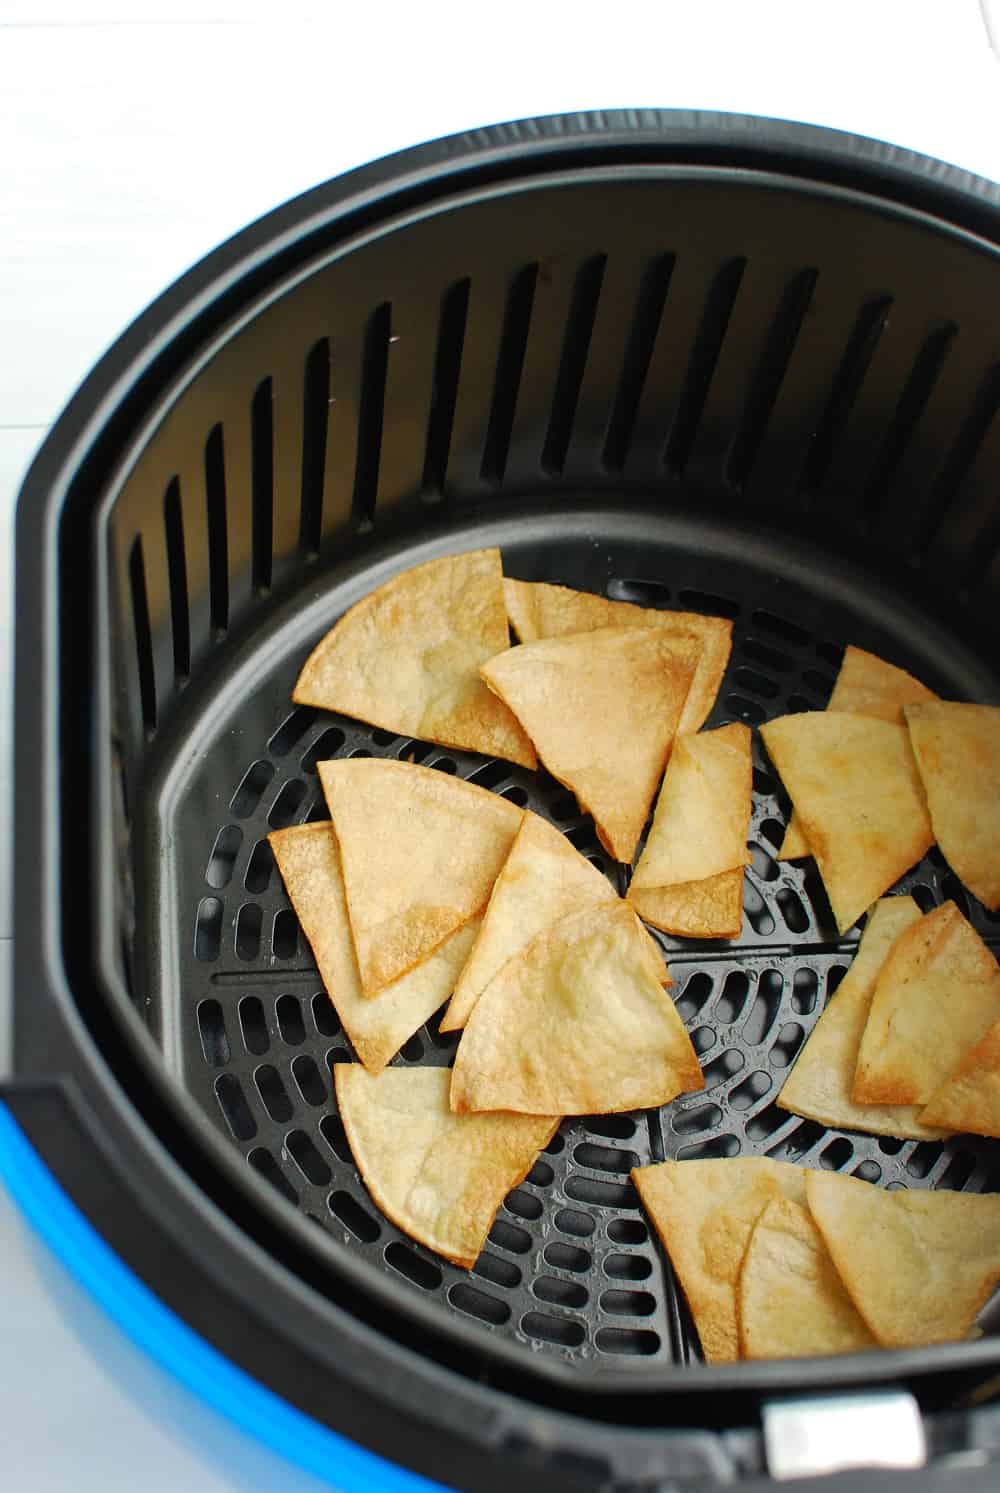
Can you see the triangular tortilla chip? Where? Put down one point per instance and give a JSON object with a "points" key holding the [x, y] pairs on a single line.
{"points": [[577, 1023], [420, 851], [704, 1212], [969, 1101], [854, 783], [544, 879], [937, 994], [791, 1301], [439, 1177], [699, 828], [407, 658], [308, 858], [866, 685], [602, 710], [538, 610], [712, 908], [918, 1265], [820, 1085], [958, 754]]}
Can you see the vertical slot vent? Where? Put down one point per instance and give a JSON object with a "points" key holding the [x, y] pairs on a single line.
{"points": [[916, 391], [262, 482], [374, 368], [315, 420], [218, 539], [447, 370], [173, 523], [142, 633], [510, 365], [871, 322], [701, 368], [573, 361], [957, 465], [769, 375], [638, 352]]}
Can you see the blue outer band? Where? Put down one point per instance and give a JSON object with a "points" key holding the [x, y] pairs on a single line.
{"points": [[167, 1339]]}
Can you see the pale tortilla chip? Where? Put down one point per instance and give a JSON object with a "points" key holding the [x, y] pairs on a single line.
{"points": [[712, 908], [791, 1301], [406, 658], [308, 858], [937, 994], [577, 1023], [854, 783], [820, 1085], [958, 754], [918, 1265], [704, 1213], [538, 610], [544, 879], [969, 1101], [420, 851], [700, 825], [602, 710], [439, 1177], [866, 685]]}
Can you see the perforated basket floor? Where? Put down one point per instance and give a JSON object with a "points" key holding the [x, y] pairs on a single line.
{"points": [[571, 1266]]}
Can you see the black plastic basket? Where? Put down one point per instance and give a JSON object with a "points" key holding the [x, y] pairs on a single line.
{"points": [[698, 361]]}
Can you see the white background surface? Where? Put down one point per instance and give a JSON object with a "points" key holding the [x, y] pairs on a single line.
{"points": [[136, 136]]}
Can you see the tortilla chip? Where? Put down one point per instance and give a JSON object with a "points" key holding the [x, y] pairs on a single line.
{"points": [[406, 658], [602, 709], [704, 1213], [918, 1265], [866, 685], [700, 825], [969, 1101], [712, 908], [791, 1301], [937, 994], [854, 784], [820, 1085], [308, 857], [544, 879], [439, 1177], [577, 1023], [420, 851], [958, 754], [537, 610]]}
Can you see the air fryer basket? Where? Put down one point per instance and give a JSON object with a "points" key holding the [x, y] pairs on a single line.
{"points": [[709, 363]]}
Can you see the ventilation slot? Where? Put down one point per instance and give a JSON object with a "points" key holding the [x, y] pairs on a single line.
{"points": [[212, 1030], [956, 468], [638, 353], [770, 374], [218, 541], [447, 368], [262, 483], [510, 364], [868, 328], [143, 635], [701, 368], [374, 368], [263, 1162], [912, 402], [173, 523], [315, 416], [219, 870], [576, 345]]}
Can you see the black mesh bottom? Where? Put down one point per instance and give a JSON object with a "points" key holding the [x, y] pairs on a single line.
{"points": [[571, 1266]]}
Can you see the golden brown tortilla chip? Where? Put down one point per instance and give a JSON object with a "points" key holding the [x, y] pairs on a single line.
{"points": [[439, 1177], [544, 879], [407, 658], [854, 784], [958, 754], [602, 710], [791, 1301], [308, 858], [936, 995], [969, 1101], [704, 1213], [866, 685], [577, 1023], [918, 1265], [712, 908], [538, 610], [820, 1085], [420, 851]]}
